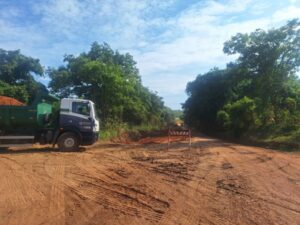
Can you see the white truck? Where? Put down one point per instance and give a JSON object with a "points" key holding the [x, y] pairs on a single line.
{"points": [[70, 125]]}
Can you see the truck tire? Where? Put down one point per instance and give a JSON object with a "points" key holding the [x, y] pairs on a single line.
{"points": [[68, 142]]}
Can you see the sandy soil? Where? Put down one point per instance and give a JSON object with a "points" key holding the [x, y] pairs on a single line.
{"points": [[212, 183]]}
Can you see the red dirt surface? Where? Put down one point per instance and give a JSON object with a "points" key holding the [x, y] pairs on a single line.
{"points": [[10, 101], [212, 183], [160, 140]]}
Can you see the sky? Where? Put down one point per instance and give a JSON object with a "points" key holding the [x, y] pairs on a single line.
{"points": [[172, 41]]}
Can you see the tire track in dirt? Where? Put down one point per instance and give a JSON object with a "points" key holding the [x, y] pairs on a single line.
{"points": [[107, 190], [23, 180], [84, 204], [275, 165], [239, 182], [56, 208], [213, 183], [16, 182], [184, 209], [126, 199]]}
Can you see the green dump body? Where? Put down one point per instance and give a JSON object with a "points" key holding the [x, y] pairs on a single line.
{"points": [[26, 119]]}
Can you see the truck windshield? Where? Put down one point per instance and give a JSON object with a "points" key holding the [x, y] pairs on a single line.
{"points": [[82, 108]]}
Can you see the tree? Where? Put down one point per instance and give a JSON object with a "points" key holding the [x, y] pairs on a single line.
{"points": [[17, 75], [260, 90], [241, 115], [271, 58], [15, 91], [112, 81], [207, 94]]}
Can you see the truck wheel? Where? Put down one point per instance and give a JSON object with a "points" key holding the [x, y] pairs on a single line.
{"points": [[68, 142]]}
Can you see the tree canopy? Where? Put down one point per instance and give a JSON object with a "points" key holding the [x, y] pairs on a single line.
{"points": [[260, 90], [112, 81], [17, 75]]}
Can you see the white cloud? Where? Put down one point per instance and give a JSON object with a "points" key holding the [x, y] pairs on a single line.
{"points": [[293, 1], [287, 13], [202, 32]]}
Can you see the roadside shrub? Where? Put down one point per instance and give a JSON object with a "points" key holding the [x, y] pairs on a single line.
{"points": [[223, 119], [242, 115]]}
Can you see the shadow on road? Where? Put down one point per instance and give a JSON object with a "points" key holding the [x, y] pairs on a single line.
{"points": [[36, 150], [213, 143]]}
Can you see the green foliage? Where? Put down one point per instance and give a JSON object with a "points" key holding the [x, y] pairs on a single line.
{"points": [[241, 115], [113, 82], [290, 104], [18, 92], [113, 130], [17, 68], [177, 114], [17, 76], [223, 119], [105, 76], [207, 95], [258, 92]]}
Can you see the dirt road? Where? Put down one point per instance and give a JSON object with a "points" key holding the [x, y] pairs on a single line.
{"points": [[213, 183]]}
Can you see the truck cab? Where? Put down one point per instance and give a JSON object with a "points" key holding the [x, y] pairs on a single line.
{"points": [[78, 123]]}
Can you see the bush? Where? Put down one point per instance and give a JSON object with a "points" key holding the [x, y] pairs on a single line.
{"points": [[242, 115], [223, 119]]}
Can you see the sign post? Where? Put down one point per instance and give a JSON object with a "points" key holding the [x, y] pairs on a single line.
{"points": [[180, 133]]}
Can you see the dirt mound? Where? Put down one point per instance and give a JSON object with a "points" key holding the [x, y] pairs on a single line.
{"points": [[10, 101], [126, 138], [146, 137], [142, 137]]}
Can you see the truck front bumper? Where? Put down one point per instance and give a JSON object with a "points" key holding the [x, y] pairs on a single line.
{"points": [[89, 138]]}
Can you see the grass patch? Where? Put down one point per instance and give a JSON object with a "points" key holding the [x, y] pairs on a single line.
{"points": [[288, 141], [115, 131]]}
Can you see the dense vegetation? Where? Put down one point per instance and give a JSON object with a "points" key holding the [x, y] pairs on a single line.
{"points": [[256, 96], [17, 76], [105, 76]]}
